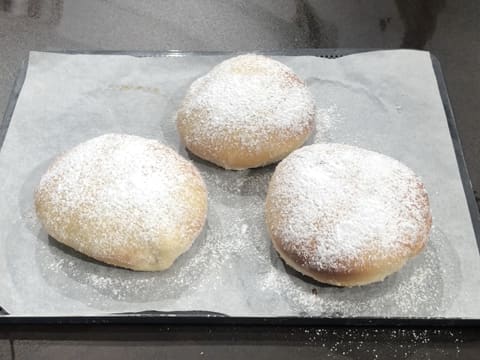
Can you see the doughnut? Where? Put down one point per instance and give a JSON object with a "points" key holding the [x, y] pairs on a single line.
{"points": [[123, 200], [248, 111], [346, 216]]}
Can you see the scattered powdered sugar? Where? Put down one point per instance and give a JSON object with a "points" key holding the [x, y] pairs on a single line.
{"points": [[235, 246], [325, 120], [338, 204], [352, 342], [247, 99], [124, 190], [105, 283], [418, 288], [233, 259]]}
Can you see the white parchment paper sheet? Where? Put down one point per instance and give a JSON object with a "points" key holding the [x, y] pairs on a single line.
{"points": [[386, 101]]}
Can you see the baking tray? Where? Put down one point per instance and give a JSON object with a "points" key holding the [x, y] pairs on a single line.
{"points": [[209, 317]]}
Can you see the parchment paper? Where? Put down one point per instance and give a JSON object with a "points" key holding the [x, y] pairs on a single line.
{"points": [[385, 101]]}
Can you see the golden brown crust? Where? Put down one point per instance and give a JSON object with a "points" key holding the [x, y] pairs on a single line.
{"points": [[362, 274], [230, 154], [91, 212], [249, 111], [362, 267]]}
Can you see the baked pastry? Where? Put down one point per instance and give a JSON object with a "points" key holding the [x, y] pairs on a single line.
{"points": [[123, 200], [247, 112], [346, 216]]}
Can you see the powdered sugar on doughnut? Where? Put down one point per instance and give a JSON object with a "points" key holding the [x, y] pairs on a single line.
{"points": [[127, 188], [337, 202], [250, 98]]}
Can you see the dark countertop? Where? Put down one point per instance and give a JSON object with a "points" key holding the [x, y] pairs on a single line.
{"points": [[449, 29], [243, 342]]}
